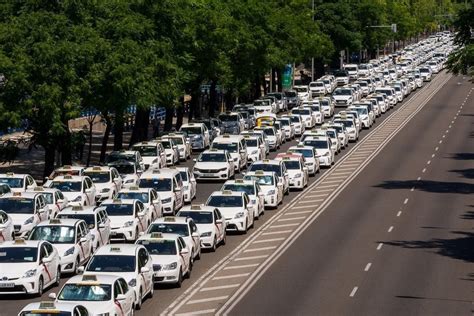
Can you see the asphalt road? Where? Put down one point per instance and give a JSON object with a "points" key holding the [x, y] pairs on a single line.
{"points": [[350, 226], [390, 244]]}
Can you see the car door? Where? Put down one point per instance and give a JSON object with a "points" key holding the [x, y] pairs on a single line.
{"points": [[179, 190], [195, 235], [144, 261], [41, 209], [260, 195], [220, 224], [192, 183], [83, 250], [142, 216], [90, 193], [105, 229], [117, 180], [185, 257], [123, 307], [49, 267]]}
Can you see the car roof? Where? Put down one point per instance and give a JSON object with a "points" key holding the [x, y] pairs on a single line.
{"points": [[260, 173], [40, 189], [79, 209], [17, 195], [21, 243], [89, 278], [13, 175], [171, 219], [160, 173], [240, 182], [69, 178], [197, 208], [227, 193], [61, 222], [118, 249], [98, 168], [136, 189], [158, 236], [268, 161], [118, 201]]}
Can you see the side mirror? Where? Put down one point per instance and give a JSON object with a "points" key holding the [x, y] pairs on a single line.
{"points": [[121, 297], [83, 239], [88, 191], [286, 174], [218, 221], [144, 270], [184, 251], [195, 235], [81, 269], [117, 179], [141, 214], [46, 260], [30, 187], [101, 225], [60, 201], [194, 159], [52, 296]]}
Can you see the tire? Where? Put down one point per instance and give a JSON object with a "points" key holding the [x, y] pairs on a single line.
{"points": [[58, 277], [76, 266], [188, 274], [140, 301], [224, 239], [40, 287], [180, 279], [214, 245], [152, 290], [246, 229]]}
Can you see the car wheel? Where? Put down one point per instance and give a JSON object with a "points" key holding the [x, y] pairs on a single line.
{"points": [[188, 274], [214, 245], [58, 277], [76, 267], [180, 279], [244, 232], [224, 239], [152, 290], [138, 306], [40, 287]]}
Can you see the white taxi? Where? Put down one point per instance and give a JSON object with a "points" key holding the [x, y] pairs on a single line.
{"points": [[66, 170], [322, 145], [51, 308], [255, 148], [103, 294], [129, 171], [310, 158], [189, 184], [210, 223], [28, 266], [214, 164], [128, 218], [96, 219], [7, 231], [72, 239], [18, 182], [234, 206], [54, 198], [129, 261], [184, 147], [298, 123], [79, 190], [169, 185], [276, 166], [342, 133], [306, 115], [255, 194], [270, 184], [107, 181], [287, 127], [153, 154], [171, 150], [170, 255], [26, 210], [181, 226], [148, 196], [235, 146], [298, 174]]}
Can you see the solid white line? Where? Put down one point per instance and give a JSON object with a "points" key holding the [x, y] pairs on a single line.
{"points": [[399, 213], [259, 249], [201, 312], [268, 240], [380, 246], [291, 219], [242, 266], [406, 201], [310, 201], [354, 290], [424, 170], [250, 258], [297, 213], [367, 267], [390, 229], [284, 225], [231, 276], [222, 287], [210, 299]]}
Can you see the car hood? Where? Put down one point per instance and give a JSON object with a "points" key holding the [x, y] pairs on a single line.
{"points": [[210, 165], [126, 275], [229, 212], [99, 307], [119, 221], [342, 97], [163, 259], [202, 228], [19, 219], [61, 248], [165, 194], [15, 270], [71, 196], [149, 160]]}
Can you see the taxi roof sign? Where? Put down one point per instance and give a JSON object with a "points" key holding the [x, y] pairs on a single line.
{"points": [[67, 176], [89, 278], [96, 168], [169, 219], [195, 207], [19, 241], [133, 188], [117, 201], [115, 249], [239, 181], [38, 188], [55, 221], [156, 235], [259, 172], [77, 208], [9, 173], [226, 192], [47, 305], [16, 193]]}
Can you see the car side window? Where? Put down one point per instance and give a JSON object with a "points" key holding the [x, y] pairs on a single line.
{"points": [[142, 258], [43, 252], [193, 227], [123, 285], [180, 243], [117, 289], [49, 248]]}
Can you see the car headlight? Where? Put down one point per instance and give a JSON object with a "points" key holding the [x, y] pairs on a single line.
{"points": [[128, 224], [29, 273], [69, 252], [239, 215], [206, 234], [132, 282], [77, 199], [271, 192], [298, 175], [170, 266], [105, 190], [168, 200], [29, 220]]}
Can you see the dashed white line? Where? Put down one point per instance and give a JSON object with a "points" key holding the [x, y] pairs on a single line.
{"points": [[428, 162], [399, 213], [354, 290], [284, 225], [412, 189], [310, 201], [260, 249], [390, 229], [224, 277], [291, 219], [200, 312], [418, 179], [297, 213], [447, 131], [444, 136], [242, 266], [250, 258], [222, 287], [436, 149], [441, 141], [367, 267], [268, 240], [277, 233], [317, 195], [380, 246], [424, 170], [433, 155], [301, 207], [406, 201], [210, 299]]}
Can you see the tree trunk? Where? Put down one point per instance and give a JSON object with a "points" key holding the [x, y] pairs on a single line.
{"points": [[193, 105], [89, 151], [180, 113], [49, 155], [257, 88], [274, 80], [279, 73], [212, 98], [229, 100], [118, 129], [66, 148], [140, 128], [105, 138], [169, 118]]}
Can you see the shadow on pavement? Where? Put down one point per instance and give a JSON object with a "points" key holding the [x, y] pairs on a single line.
{"points": [[468, 214], [432, 298], [459, 248], [462, 156], [429, 186], [466, 173]]}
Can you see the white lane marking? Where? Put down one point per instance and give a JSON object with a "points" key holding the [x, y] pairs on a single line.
{"points": [[399, 213], [412, 189], [302, 207], [260, 249], [222, 287], [428, 162], [250, 258], [200, 312], [424, 170], [317, 195], [441, 141], [406, 201], [277, 233], [433, 155], [338, 177], [380, 246], [332, 181], [390, 229], [449, 126], [319, 190], [231, 276], [310, 201], [418, 179], [325, 185], [268, 240], [242, 266], [447, 131], [297, 213], [444, 136], [436, 148], [210, 299], [291, 219], [367, 267], [284, 225], [354, 290]]}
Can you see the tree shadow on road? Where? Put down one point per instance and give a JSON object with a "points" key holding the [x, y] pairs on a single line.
{"points": [[429, 186], [466, 173], [462, 156], [459, 248], [468, 214]]}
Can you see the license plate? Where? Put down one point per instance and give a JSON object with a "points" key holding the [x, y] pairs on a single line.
{"points": [[112, 233], [7, 285]]}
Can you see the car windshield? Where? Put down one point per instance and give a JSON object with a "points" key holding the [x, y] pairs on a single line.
{"points": [[125, 169], [230, 147], [119, 156], [184, 175], [198, 217], [191, 130], [86, 292], [177, 140], [301, 89], [261, 180], [278, 96], [55, 234], [320, 144], [88, 218], [251, 142], [292, 164], [331, 134], [67, 186], [48, 197], [338, 129], [141, 196], [159, 247], [160, 185], [385, 91], [307, 153], [284, 122], [340, 74], [119, 209], [169, 228], [269, 131], [351, 68], [111, 263], [244, 114], [300, 111], [315, 108], [347, 123], [98, 177], [18, 254], [290, 94], [266, 167], [295, 119], [166, 144], [361, 110], [343, 92], [17, 205], [228, 117], [225, 201], [249, 189], [12, 182], [146, 151], [212, 157]]}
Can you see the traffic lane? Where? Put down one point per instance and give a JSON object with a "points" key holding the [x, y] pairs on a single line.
{"points": [[168, 294], [432, 250], [333, 253]]}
